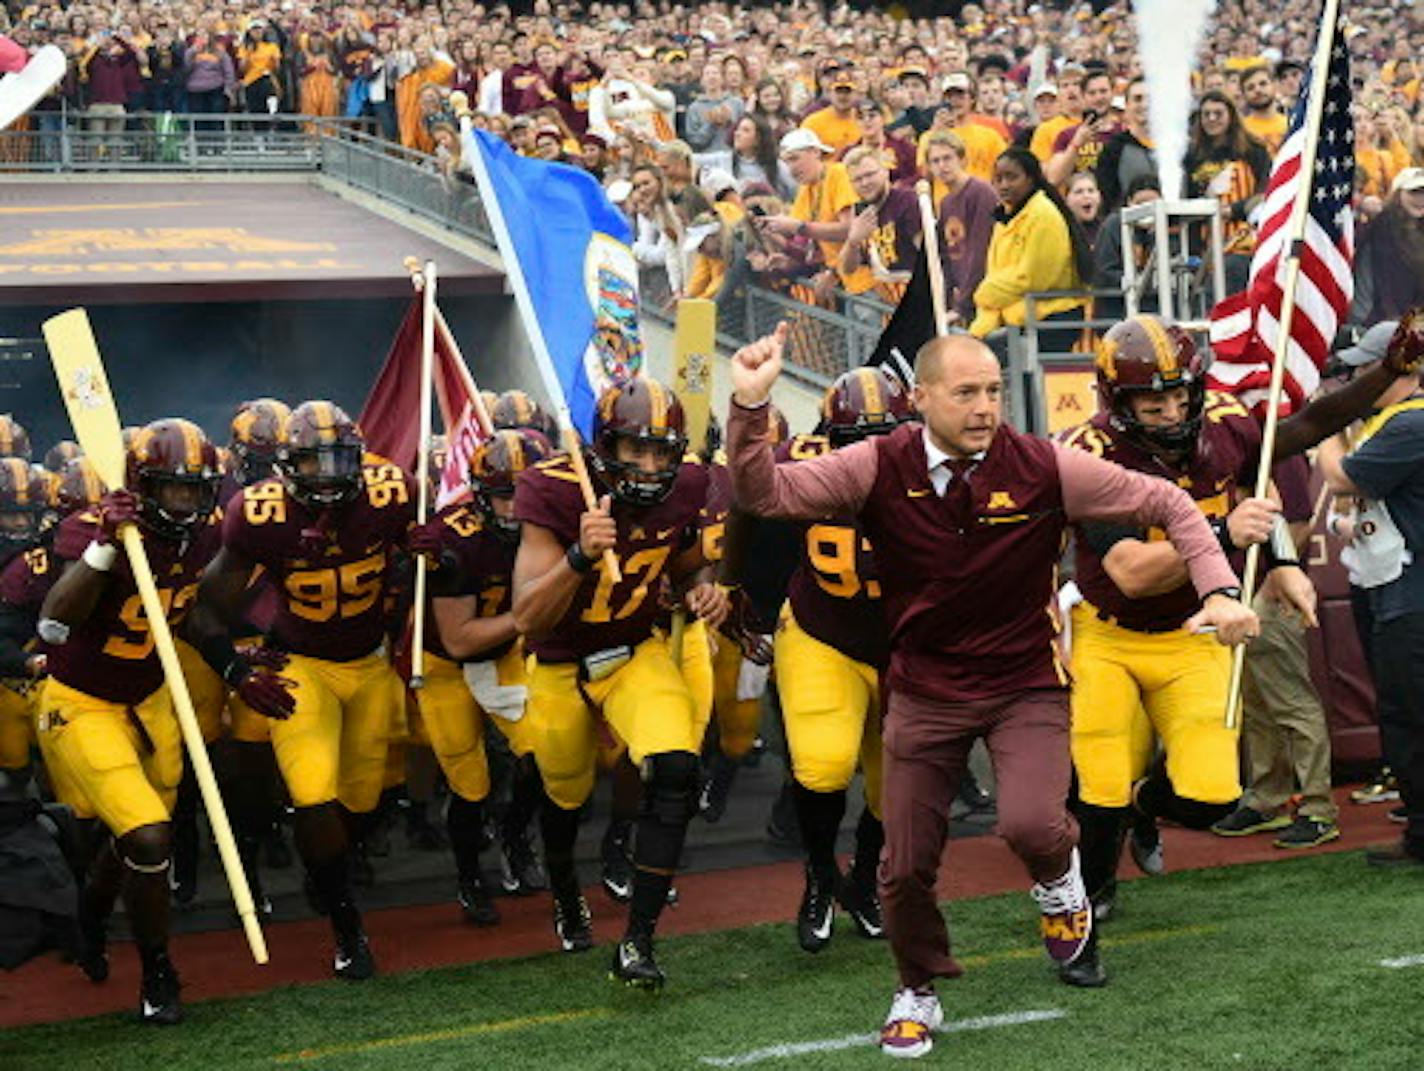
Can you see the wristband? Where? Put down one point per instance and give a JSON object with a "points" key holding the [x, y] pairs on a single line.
{"points": [[100, 556], [234, 672], [578, 561], [1229, 592], [801, 229], [1222, 530]]}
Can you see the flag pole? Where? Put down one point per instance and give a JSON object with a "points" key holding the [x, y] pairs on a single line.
{"points": [[1300, 215], [929, 235], [422, 467], [442, 329], [522, 301]]}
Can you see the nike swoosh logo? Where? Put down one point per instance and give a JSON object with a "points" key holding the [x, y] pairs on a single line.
{"points": [[823, 931], [917, 493], [149, 1010], [664, 533]]}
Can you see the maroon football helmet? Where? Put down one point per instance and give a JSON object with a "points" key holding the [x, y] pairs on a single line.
{"points": [[174, 471], [24, 500], [644, 412], [258, 427], [494, 468], [1145, 354], [861, 403], [60, 453], [320, 459], [78, 487], [14, 439]]}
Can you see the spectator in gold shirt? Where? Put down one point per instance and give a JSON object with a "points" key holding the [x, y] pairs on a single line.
{"points": [[1261, 113]]}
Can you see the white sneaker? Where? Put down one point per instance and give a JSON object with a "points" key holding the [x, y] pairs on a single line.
{"points": [[909, 1028], [1067, 914]]}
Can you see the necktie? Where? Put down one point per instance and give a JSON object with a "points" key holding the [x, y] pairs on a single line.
{"points": [[958, 496]]}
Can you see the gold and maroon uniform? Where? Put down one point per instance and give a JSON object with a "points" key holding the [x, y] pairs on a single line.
{"points": [[331, 570], [483, 564], [604, 658], [831, 647], [106, 722], [1136, 672], [25, 580]]}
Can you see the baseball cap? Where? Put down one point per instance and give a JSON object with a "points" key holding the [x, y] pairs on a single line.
{"points": [[801, 138], [618, 190], [1371, 347], [957, 80], [703, 228], [715, 182], [1411, 178], [1045, 89]]}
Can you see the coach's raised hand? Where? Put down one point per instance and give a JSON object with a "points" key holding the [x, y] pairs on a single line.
{"points": [[755, 367]]}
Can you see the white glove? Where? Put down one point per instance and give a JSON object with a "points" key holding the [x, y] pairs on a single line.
{"points": [[751, 680], [502, 700]]}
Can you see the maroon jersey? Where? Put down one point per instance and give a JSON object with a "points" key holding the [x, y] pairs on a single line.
{"points": [[996, 552], [331, 573], [604, 614], [1226, 457], [896, 231], [110, 654], [27, 578], [483, 566], [835, 590], [712, 521]]}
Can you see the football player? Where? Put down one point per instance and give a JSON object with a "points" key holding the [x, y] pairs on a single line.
{"points": [[831, 648], [327, 532], [474, 664], [597, 659], [106, 724], [1136, 672], [249, 777], [24, 499], [740, 655]]}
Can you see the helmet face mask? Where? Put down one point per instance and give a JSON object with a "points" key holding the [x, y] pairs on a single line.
{"points": [[324, 476], [1176, 439], [174, 504], [252, 464], [24, 504]]}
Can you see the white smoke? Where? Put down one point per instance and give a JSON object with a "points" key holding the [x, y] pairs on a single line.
{"points": [[1169, 32]]}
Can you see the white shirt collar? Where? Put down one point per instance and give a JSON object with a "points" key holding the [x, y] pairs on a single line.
{"points": [[935, 457]]}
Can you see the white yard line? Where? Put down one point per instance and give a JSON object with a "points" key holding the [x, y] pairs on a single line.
{"points": [[1403, 961], [852, 1041]]}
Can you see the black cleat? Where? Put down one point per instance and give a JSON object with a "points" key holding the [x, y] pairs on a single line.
{"points": [[354, 961], [616, 862], [1144, 843], [158, 1001], [816, 919], [477, 904], [520, 873], [93, 954], [573, 924], [1105, 902], [717, 789], [634, 966], [1085, 972], [862, 903], [972, 794]]}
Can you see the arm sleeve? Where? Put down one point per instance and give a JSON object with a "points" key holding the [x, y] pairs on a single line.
{"points": [[834, 484], [1098, 490], [1389, 458]]}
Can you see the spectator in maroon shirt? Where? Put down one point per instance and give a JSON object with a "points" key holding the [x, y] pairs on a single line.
{"points": [[111, 72]]}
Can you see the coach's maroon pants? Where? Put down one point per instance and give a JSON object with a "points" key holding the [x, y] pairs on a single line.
{"points": [[926, 748]]}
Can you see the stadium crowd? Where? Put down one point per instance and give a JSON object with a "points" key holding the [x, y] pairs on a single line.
{"points": [[772, 144]]}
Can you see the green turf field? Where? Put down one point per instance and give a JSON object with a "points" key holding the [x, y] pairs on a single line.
{"points": [[1272, 966]]}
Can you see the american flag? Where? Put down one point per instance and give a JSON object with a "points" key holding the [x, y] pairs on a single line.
{"points": [[1245, 326]]}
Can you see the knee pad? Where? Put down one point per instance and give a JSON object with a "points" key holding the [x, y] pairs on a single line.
{"points": [[147, 849], [671, 779]]}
